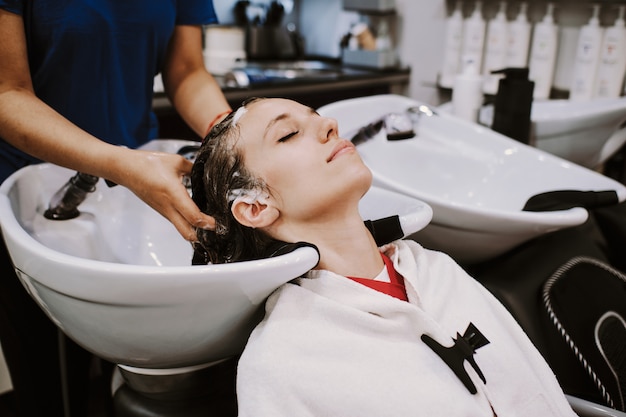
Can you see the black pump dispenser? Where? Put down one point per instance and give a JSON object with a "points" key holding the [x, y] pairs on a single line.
{"points": [[513, 104]]}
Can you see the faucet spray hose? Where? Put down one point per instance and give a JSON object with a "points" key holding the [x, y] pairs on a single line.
{"points": [[64, 203]]}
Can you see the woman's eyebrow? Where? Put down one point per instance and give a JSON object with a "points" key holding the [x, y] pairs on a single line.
{"points": [[284, 116], [275, 120]]}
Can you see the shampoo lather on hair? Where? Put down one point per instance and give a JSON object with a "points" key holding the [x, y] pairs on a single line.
{"points": [[452, 48], [495, 49], [467, 93], [518, 40], [587, 58], [612, 66], [474, 37], [543, 54]]}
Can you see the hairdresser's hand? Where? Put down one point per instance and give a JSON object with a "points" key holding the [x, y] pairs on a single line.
{"points": [[156, 178]]}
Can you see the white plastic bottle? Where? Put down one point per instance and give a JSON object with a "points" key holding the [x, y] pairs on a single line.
{"points": [[383, 39], [474, 36], [543, 54], [612, 67], [467, 92], [587, 58], [495, 49], [452, 47], [519, 39]]}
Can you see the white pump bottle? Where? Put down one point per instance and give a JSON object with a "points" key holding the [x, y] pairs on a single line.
{"points": [[467, 93], [612, 67], [519, 39], [587, 58], [542, 59], [495, 49], [452, 48], [474, 37]]}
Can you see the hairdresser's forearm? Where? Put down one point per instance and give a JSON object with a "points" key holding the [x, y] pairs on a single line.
{"points": [[199, 99], [33, 127], [155, 177], [28, 123], [192, 90]]}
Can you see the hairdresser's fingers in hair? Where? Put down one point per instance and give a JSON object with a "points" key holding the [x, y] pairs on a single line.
{"points": [[181, 211], [186, 206], [186, 228], [186, 217], [156, 178]]}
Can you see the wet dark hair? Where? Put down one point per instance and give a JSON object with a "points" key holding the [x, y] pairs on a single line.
{"points": [[219, 170]]}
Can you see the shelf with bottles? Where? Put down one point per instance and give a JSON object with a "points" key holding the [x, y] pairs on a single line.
{"points": [[490, 44], [375, 7], [370, 42], [529, 34]]}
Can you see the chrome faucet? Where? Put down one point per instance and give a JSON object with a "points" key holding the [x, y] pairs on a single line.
{"points": [[398, 126], [422, 109], [64, 203]]}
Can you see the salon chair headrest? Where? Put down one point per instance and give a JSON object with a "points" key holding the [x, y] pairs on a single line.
{"points": [[384, 231]]}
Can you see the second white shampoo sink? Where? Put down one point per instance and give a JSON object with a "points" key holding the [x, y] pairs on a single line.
{"points": [[476, 181], [584, 132]]}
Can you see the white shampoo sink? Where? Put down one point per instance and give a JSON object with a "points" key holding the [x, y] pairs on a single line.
{"points": [[584, 132], [587, 133], [476, 181], [118, 279]]}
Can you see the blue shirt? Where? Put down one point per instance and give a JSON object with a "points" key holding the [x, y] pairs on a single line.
{"points": [[94, 62]]}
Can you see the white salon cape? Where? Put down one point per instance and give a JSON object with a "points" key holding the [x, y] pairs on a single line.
{"points": [[329, 346]]}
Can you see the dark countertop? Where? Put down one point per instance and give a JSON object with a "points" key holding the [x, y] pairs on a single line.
{"points": [[315, 92], [349, 80]]}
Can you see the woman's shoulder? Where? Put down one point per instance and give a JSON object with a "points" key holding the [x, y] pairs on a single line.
{"points": [[409, 251], [425, 268]]}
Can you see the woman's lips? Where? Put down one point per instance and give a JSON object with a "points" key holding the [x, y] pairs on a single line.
{"points": [[342, 147]]}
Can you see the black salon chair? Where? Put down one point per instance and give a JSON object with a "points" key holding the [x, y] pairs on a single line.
{"points": [[573, 309]]}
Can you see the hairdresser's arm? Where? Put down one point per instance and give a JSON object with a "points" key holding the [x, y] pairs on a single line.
{"points": [[32, 126], [193, 91]]}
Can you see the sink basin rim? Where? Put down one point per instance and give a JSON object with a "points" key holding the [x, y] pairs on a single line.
{"points": [[475, 218], [74, 269], [77, 267]]}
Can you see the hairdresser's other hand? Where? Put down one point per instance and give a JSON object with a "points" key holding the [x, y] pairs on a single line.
{"points": [[156, 178]]}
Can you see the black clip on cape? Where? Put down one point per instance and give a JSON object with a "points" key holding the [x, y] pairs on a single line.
{"points": [[463, 349]]}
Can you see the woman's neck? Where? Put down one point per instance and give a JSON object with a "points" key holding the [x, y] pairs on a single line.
{"points": [[356, 258], [346, 246]]}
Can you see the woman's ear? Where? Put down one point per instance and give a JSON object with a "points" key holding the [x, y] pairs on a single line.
{"points": [[254, 214]]}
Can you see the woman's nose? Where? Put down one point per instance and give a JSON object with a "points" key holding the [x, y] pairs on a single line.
{"points": [[329, 130]]}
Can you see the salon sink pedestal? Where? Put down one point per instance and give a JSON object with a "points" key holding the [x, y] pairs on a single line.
{"points": [[199, 392]]}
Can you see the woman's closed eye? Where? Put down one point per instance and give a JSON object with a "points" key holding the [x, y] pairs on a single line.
{"points": [[288, 136]]}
